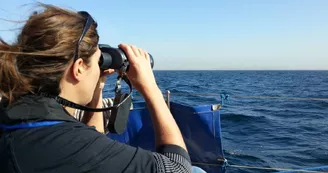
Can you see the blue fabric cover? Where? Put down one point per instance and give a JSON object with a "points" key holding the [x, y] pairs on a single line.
{"points": [[200, 127]]}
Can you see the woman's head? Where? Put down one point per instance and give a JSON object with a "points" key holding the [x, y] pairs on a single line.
{"points": [[42, 58]]}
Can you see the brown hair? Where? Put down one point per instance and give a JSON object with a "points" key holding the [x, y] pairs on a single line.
{"points": [[43, 51]]}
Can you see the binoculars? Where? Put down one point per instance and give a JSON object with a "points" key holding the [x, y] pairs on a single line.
{"points": [[115, 58]]}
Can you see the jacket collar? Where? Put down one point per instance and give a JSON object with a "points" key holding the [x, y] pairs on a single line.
{"points": [[31, 108]]}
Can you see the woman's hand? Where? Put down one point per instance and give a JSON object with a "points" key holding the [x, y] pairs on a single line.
{"points": [[97, 96], [140, 72], [96, 118], [103, 77]]}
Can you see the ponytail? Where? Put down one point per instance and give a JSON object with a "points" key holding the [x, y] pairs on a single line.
{"points": [[12, 84]]}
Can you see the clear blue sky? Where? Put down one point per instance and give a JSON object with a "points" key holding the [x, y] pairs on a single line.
{"points": [[208, 34]]}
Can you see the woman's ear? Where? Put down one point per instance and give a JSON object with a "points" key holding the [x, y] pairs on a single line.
{"points": [[79, 69]]}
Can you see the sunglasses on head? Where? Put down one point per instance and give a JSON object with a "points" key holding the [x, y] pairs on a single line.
{"points": [[88, 23], [107, 52], [111, 58]]}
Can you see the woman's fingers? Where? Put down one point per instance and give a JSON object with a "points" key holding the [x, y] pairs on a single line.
{"points": [[108, 72], [129, 52], [135, 50], [147, 56], [143, 53]]}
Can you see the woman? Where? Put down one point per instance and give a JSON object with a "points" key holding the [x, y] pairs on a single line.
{"points": [[53, 56]]}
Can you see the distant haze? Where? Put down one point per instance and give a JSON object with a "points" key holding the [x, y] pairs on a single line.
{"points": [[207, 35]]}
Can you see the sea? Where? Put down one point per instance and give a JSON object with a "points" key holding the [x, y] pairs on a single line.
{"points": [[271, 119]]}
